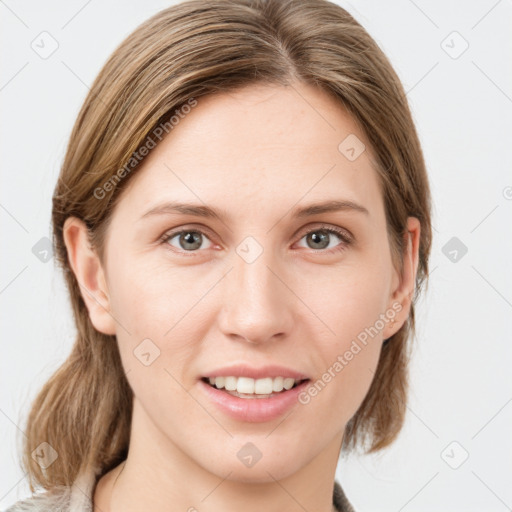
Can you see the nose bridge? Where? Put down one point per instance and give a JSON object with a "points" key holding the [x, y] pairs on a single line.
{"points": [[256, 303]]}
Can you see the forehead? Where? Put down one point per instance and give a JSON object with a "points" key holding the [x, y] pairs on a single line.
{"points": [[259, 145]]}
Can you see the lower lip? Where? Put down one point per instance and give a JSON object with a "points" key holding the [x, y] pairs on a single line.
{"points": [[253, 410]]}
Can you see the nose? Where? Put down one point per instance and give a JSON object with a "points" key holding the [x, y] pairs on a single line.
{"points": [[257, 301]]}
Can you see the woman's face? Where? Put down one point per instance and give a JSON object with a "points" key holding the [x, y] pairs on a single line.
{"points": [[256, 280]]}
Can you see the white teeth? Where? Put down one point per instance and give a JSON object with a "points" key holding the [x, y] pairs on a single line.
{"points": [[263, 386], [277, 385], [230, 383], [288, 383], [246, 385]]}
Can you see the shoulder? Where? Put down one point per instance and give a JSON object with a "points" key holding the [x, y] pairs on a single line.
{"points": [[61, 498], [57, 500]]}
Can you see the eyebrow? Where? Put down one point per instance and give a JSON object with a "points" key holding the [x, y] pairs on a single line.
{"points": [[198, 210]]}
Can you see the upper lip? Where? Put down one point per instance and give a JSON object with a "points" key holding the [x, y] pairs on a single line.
{"points": [[243, 370]]}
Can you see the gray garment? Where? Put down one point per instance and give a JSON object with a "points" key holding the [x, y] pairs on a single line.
{"points": [[78, 498]]}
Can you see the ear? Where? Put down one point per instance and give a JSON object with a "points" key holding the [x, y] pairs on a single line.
{"points": [[403, 286], [89, 273]]}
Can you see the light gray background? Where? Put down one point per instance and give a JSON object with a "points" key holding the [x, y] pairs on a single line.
{"points": [[461, 394]]}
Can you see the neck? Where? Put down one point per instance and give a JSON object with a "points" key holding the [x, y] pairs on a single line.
{"points": [[158, 476]]}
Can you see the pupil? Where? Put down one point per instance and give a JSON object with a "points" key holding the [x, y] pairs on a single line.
{"points": [[323, 239], [191, 238]]}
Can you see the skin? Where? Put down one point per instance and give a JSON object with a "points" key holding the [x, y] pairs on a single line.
{"points": [[298, 304]]}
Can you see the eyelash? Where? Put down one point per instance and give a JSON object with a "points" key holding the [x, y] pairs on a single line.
{"points": [[342, 234]]}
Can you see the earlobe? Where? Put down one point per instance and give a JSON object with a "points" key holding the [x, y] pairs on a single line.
{"points": [[89, 274], [402, 294]]}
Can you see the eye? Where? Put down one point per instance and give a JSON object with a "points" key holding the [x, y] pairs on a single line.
{"points": [[321, 238], [318, 239], [186, 240]]}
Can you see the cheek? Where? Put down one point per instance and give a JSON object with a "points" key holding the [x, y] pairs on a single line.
{"points": [[351, 302], [347, 362], [347, 299], [151, 296], [159, 312]]}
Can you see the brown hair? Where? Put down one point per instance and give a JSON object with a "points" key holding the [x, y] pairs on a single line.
{"points": [[187, 51]]}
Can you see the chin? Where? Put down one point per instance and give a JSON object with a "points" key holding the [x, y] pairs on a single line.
{"points": [[256, 460]]}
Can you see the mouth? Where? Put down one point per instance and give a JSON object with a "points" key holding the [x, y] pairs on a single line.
{"points": [[244, 387], [253, 400]]}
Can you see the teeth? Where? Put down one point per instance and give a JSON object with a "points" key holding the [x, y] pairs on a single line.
{"points": [[230, 383], [278, 384], [246, 385]]}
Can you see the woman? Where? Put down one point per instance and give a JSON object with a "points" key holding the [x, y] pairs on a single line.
{"points": [[243, 220]]}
